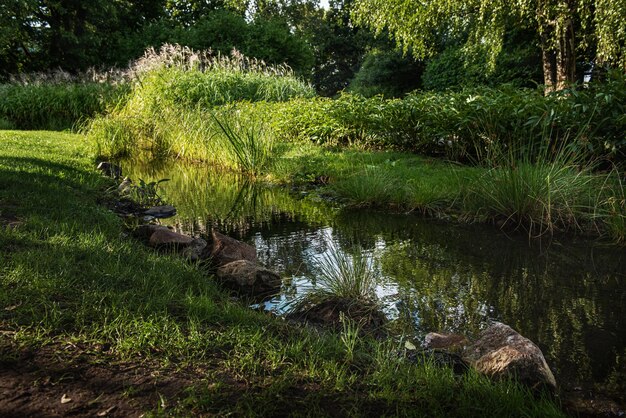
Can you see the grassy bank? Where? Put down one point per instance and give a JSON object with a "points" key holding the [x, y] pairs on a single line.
{"points": [[70, 278], [523, 161]]}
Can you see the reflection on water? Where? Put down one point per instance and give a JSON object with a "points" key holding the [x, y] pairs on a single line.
{"points": [[568, 297]]}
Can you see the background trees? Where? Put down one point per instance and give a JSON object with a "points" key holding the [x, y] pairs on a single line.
{"points": [[563, 28], [444, 43]]}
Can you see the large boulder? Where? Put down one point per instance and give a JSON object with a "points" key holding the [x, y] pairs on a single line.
{"points": [[144, 232], [501, 352], [225, 250], [164, 237], [248, 277]]}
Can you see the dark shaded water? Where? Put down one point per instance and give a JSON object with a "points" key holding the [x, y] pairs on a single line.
{"points": [[568, 296]]}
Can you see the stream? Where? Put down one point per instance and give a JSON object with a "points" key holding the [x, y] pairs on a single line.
{"points": [[567, 294]]}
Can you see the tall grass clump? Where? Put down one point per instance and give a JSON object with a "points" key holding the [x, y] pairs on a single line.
{"points": [[346, 275], [175, 95], [544, 193], [610, 207], [345, 291], [370, 186], [249, 142], [57, 101]]}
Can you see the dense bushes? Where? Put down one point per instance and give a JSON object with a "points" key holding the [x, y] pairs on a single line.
{"points": [[54, 106], [388, 73], [456, 67], [172, 109], [470, 123]]}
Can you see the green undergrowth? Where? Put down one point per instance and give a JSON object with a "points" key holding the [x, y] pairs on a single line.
{"points": [[55, 106], [70, 275], [243, 116], [182, 105]]}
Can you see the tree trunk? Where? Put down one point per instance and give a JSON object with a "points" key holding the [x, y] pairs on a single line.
{"points": [[558, 45], [548, 57], [566, 57]]}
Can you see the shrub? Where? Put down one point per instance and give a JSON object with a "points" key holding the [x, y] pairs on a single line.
{"points": [[55, 106], [388, 73], [465, 125], [458, 66], [170, 108]]}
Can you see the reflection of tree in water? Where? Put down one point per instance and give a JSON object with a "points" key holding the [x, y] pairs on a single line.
{"points": [[207, 199], [574, 311]]}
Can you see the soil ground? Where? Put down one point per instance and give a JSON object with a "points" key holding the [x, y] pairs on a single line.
{"points": [[71, 381]]}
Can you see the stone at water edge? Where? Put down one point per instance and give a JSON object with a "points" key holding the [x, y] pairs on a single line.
{"points": [[450, 342], [124, 186], [165, 237], [246, 276], [195, 249], [109, 169], [225, 250], [161, 212], [144, 232], [501, 352]]}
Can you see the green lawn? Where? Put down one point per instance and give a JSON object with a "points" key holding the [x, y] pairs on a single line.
{"points": [[70, 276]]}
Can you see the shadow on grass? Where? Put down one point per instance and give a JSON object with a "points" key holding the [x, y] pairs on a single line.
{"points": [[72, 279]]}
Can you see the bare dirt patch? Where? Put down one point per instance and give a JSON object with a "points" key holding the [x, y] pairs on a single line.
{"points": [[61, 381], [9, 220]]}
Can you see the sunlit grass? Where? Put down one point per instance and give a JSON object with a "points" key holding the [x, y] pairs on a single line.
{"points": [[70, 276]]}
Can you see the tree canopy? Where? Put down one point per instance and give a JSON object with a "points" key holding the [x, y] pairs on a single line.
{"points": [[594, 29]]}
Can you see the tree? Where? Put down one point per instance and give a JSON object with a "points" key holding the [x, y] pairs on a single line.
{"points": [[388, 72], [16, 33], [594, 28], [339, 46], [39, 35]]}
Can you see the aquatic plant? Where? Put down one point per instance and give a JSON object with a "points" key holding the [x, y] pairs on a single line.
{"points": [[346, 275], [346, 290], [250, 143], [541, 192]]}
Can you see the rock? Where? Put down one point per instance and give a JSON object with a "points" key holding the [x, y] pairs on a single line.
{"points": [[449, 342], [144, 232], [109, 169], [166, 238], [124, 186], [225, 250], [501, 352], [195, 249], [590, 405], [245, 275], [329, 312], [165, 211]]}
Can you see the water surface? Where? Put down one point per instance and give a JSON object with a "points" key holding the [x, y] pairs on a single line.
{"points": [[567, 295]]}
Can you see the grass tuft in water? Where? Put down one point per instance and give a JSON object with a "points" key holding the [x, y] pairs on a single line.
{"points": [[543, 194], [346, 292], [250, 143]]}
